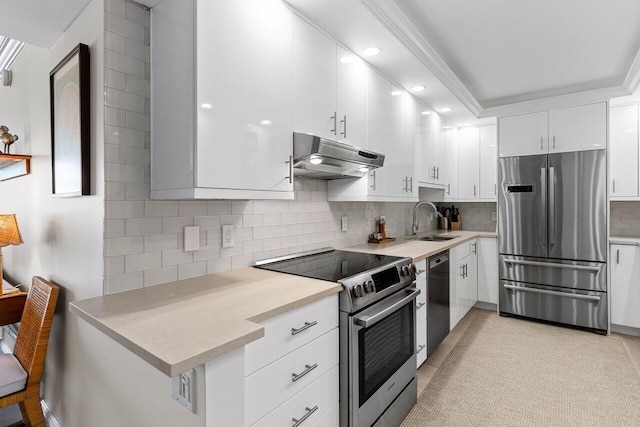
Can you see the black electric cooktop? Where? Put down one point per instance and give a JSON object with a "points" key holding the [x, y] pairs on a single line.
{"points": [[332, 265]]}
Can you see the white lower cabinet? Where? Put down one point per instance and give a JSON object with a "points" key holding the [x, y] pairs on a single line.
{"points": [[290, 373], [463, 280], [625, 285], [488, 270]]}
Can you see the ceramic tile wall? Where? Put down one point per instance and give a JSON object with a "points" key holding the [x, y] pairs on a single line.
{"points": [[144, 238], [476, 216], [625, 219]]}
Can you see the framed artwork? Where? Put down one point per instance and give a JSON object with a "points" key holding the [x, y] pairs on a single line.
{"points": [[69, 92]]}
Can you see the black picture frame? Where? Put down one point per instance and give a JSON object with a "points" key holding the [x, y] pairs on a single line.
{"points": [[70, 117]]}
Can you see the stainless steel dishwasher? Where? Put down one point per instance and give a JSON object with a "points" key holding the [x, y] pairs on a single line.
{"points": [[437, 300]]}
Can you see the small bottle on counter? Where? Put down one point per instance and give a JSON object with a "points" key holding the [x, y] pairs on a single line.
{"points": [[381, 228]]}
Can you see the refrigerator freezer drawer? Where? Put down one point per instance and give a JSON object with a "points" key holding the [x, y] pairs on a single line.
{"points": [[586, 309], [567, 274]]}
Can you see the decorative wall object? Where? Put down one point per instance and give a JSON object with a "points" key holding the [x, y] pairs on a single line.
{"points": [[6, 138], [69, 91]]}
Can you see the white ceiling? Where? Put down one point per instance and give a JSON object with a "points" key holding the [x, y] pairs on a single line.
{"points": [[38, 22]]}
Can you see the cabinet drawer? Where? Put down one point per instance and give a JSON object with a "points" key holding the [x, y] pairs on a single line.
{"points": [[274, 384], [279, 332], [421, 283], [421, 343], [323, 394], [460, 251], [330, 419], [421, 312]]}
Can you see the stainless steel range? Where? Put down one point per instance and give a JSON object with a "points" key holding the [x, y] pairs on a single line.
{"points": [[377, 330]]}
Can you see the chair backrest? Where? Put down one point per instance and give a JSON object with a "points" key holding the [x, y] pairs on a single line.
{"points": [[33, 336]]}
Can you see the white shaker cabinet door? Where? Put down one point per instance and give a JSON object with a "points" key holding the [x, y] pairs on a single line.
{"points": [[523, 135], [379, 130], [352, 99], [314, 81], [244, 123], [488, 270], [623, 151], [450, 164], [578, 128], [468, 165], [625, 285], [488, 163]]}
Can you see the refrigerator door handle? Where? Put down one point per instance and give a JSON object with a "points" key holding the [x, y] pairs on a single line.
{"points": [[552, 205], [561, 294], [591, 268], [543, 207]]}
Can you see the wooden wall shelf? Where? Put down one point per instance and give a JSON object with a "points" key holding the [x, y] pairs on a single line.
{"points": [[14, 165]]}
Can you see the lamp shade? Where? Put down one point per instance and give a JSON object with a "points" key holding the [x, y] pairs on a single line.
{"points": [[9, 231]]}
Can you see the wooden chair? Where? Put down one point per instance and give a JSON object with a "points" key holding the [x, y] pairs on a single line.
{"points": [[30, 350]]}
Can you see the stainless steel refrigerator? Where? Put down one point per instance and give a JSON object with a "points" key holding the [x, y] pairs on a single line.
{"points": [[553, 238]]}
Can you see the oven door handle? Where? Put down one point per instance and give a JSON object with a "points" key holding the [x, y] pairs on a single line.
{"points": [[367, 321]]}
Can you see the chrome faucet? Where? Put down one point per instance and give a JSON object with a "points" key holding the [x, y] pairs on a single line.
{"points": [[414, 227]]}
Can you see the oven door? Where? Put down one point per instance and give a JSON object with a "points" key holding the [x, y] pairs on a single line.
{"points": [[382, 358]]}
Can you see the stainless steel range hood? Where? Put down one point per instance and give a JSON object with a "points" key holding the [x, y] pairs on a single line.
{"points": [[320, 158]]}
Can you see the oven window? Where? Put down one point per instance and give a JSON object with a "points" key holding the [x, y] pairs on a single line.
{"points": [[383, 349]]}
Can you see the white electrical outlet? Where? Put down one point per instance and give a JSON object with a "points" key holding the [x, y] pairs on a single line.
{"points": [[183, 389], [191, 238], [494, 216], [228, 236], [345, 224]]}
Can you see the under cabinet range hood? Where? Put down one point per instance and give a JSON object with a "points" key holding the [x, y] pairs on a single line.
{"points": [[319, 158]]}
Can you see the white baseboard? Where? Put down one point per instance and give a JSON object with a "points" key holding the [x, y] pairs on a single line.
{"points": [[49, 419]]}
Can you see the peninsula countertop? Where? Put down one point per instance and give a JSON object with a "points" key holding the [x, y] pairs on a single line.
{"points": [[179, 325], [412, 247]]}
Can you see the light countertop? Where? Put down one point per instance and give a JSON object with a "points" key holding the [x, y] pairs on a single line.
{"points": [[624, 240], [179, 325], [417, 249]]}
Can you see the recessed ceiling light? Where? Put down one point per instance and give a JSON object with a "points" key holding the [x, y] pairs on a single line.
{"points": [[371, 51], [445, 109], [425, 113], [265, 122], [418, 88], [363, 169], [396, 93], [347, 59], [206, 106]]}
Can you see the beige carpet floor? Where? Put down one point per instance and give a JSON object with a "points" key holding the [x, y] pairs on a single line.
{"points": [[511, 372]]}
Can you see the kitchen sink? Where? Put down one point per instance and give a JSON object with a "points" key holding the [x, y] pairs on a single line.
{"points": [[436, 238]]}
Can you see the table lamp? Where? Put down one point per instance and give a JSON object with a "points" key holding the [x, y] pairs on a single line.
{"points": [[9, 234]]}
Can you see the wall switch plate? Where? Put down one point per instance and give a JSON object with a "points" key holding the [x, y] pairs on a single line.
{"points": [[494, 216], [228, 236], [183, 389], [345, 224], [191, 238]]}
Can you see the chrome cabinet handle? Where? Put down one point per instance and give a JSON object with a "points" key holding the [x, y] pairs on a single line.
{"points": [[437, 173], [306, 326], [420, 347], [419, 272], [475, 248], [466, 270], [335, 123], [618, 256], [310, 411], [411, 184], [474, 190], [462, 271], [614, 186], [556, 293], [290, 177], [373, 175], [554, 142], [495, 189], [433, 176], [344, 122], [308, 368], [448, 189], [591, 268], [420, 305], [541, 144]]}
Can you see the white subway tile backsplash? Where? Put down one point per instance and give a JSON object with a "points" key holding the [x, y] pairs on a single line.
{"points": [[141, 262], [187, 271], [124, 173], [114, 227], [137, 191], [192, 208], [235, 220], [143, 226], [218, 265], [124, 137], [176, 257], [137, 85], [138, 14], [229, 252], [207, 253], [219, 207], [242, 207], [123, 282], [161, 242], [113, 265], [271, 219], [124, 100], [123, 245], [172, 225], [252, 246], [160, 208], [115, 190], [207, 222], [114, 79], [122, 26], [158, 276], [117, 7], [124, 209], [137, 50], [135, 156], [114, 117], [137, 121], [244, 234], [252, 220]]}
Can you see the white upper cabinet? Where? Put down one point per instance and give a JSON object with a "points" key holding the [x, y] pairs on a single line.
{"points": [[623, 153], [523, 135], [556, 131], [330, 88], [314, 81], [432, 159], [468, 164], [488, 163], [450, 163], [243, 142]]}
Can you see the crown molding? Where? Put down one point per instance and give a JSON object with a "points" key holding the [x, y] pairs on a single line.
{"points": [[555, 102], [632, 80], [390, 15]]}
